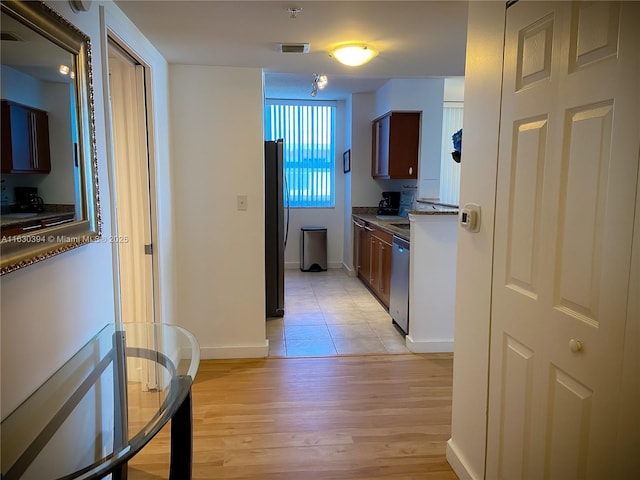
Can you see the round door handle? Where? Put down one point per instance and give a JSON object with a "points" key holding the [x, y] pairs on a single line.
{"points": [[576, 345], [410, 170]]}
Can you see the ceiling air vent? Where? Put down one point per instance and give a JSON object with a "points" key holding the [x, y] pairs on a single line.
{"points": [[10, 37], [292, 47]]}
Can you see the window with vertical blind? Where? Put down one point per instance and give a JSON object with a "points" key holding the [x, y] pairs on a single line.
{"points": [[450, 170], [308, 131]]}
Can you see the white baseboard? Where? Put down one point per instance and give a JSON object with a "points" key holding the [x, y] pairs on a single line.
{"points": [[239, 351], [429, 346], [458, 463]]}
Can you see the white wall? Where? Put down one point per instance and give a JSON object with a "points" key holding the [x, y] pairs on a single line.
{"points": [[347, 240], [217, 154], [483, 74], [365, 191], [454, 89], [59, 186], [50, 309]]}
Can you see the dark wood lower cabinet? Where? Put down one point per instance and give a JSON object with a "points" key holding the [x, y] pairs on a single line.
{"points": [[374, 259]]}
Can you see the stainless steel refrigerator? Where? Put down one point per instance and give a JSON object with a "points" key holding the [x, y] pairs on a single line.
{"points": [[275, 227]]}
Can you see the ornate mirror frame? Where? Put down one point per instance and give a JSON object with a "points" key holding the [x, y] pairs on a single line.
{"points": [[22, 250]]}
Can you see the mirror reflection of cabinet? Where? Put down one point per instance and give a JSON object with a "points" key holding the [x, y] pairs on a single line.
{"points": [[395, 146], [25, 139]]}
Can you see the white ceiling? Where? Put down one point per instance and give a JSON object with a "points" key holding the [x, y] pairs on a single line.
{"points": [[414, 38]]}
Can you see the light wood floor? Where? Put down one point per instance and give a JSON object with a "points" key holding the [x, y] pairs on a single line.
{"points": [[350, 417]]}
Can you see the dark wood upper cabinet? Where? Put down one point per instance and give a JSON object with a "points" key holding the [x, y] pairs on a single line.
{"points": [[25, 139], [395, 146]]}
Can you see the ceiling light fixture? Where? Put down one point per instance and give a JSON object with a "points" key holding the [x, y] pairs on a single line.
{"points": [[320, 81], [294, 11], [64, 70], [353, 55]]}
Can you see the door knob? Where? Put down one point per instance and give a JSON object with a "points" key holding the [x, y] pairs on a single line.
{"points": [[576, 345]]}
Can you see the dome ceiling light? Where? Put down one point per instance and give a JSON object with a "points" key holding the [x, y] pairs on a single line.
{"points": [[353, 55]]}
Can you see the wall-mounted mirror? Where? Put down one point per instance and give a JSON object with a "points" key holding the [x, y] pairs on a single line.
{"points": [[49, 190]]}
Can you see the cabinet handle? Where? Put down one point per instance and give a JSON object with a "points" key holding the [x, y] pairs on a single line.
{"points": [[32, 227], [359, 225], [373, 242], [368, 229], [59, 222], [380, 252], [33, 133], [377, 148]]}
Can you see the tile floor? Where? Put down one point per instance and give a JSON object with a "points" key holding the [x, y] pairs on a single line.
{"points": [[330, 313]]}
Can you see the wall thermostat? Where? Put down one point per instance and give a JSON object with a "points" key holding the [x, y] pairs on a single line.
{"points": [[470, 217]]}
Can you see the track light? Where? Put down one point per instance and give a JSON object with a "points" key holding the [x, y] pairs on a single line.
{"points": [[320, 81]]}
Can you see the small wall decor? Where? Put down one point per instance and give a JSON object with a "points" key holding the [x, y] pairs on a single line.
{"points": [[346, 159]]}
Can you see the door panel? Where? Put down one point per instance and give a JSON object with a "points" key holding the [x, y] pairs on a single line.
{"points": [[567, 177], [585, 170], [525, 208], [568, 425], [515, 420]]}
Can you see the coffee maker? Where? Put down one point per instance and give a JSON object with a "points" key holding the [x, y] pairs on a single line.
{"points": [[27, 200], [390, 203]]}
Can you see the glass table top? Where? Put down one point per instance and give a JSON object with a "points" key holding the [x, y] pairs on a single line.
{"points": [[102, 406]]}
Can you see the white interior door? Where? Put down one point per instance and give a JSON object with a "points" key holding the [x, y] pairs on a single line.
{"points": [[133, 212], [567, 178]]}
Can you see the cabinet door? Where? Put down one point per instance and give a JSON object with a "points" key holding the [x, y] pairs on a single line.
{"points": [[403, 145], [25, 139], [375, 264], [364, 270], [40, 152], [380, 147], [384, 281], [381, 265], [20, 152]]}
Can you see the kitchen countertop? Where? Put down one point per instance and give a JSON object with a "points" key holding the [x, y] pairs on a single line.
{"points": [[386, 222], [9, 219], [425, 207], [390, 223]]}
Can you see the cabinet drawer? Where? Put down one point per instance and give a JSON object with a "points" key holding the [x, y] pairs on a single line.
{"points": [[382, 235], [59, 220], [20, 228]]}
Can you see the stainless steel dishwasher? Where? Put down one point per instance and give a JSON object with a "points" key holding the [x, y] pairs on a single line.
{"points": [[399, 300]]}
